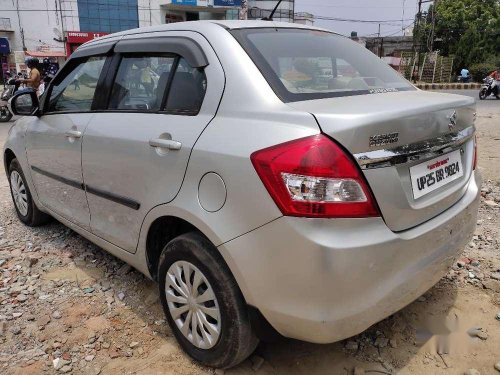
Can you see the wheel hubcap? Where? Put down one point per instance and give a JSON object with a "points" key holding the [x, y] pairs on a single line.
{"points": [[19, 192], [192, 304]]}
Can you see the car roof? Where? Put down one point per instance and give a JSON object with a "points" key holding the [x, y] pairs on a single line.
{"points": [[202, 26]]}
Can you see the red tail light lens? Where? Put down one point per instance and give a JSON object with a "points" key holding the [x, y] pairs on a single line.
{"points": [[314, 177]]}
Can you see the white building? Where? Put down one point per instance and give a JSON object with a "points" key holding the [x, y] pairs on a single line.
{"points": [[54, 29]]}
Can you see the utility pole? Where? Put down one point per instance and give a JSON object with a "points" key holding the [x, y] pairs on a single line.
{"points": [[21, 30], [243, 13], [378, 43], [417, 35]]}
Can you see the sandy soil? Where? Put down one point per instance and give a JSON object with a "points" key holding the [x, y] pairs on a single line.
{"points": [[63, 297]]}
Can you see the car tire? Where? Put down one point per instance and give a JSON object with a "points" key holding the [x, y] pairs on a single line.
{"points": [[26, 209], [197, 258]]}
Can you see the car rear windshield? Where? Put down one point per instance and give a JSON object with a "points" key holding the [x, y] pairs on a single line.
{"points": [[302, 64]]}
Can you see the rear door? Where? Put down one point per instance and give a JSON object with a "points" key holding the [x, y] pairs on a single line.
{"points": [[54, 140], [164, 89]]}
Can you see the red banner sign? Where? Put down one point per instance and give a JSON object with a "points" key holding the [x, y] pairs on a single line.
{"points": [[80, 37]]}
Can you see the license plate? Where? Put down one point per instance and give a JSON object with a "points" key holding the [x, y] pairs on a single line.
{"points": [[431, 175]]}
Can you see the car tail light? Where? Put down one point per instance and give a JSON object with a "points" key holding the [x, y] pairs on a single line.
{"points": [[474, 160], [314, 177]]}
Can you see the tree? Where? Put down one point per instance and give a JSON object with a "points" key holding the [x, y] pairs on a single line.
{"points": [[468, 29]]}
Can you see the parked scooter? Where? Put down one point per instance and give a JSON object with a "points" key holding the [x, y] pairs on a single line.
{"points": [[12, 85], [489, 87]]}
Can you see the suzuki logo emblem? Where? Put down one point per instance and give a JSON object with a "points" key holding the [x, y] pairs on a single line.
{"points": [[453, 121]]}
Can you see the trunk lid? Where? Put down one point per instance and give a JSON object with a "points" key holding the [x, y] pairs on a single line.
{"points": [[390, 133]]}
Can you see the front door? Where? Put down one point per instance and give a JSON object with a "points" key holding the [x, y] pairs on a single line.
{"points": [[54, 142], [136, 149]]}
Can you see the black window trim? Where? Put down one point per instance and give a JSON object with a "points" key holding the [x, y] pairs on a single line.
{"points": [[183, 47]]}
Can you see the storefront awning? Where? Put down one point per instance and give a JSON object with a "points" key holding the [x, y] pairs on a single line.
{"points": [[46, 53]]}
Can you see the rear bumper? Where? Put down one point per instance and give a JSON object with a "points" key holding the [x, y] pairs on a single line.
{"points": [[323, 280]]}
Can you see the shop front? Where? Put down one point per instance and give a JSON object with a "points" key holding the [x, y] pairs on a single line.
{"points": [[194, 10], [4, 54]]}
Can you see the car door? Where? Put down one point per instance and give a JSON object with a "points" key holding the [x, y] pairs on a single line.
{"points": [[54, 140], [163, 92]]}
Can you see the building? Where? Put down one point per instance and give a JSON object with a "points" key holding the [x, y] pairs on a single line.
{"points": [[194, 10], [304, 18], [54, 29], [389, 45], [258, 9], [190, 10]]}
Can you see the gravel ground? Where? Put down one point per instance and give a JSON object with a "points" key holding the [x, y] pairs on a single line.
{"points": [[66, 306]]}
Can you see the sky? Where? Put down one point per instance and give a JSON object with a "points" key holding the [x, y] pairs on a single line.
{"points": [[372, 10]]}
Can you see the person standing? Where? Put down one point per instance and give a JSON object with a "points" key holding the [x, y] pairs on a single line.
{"points": [[34, 78], [465, 74]]}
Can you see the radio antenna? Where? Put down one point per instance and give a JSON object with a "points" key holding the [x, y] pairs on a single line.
{"points": [[270, 18]]}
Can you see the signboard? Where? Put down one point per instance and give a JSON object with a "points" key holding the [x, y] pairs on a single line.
{"points": [[19, 57], [185, 2], [80, 37], [227, 3]]}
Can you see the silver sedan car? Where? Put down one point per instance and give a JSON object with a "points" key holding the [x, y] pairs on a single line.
{"points": [[272, 178]]}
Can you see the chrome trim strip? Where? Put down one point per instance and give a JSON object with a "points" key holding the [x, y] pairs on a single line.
{"points": [[414, 151]]}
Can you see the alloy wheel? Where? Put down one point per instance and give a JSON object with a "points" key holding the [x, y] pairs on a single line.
{"points": [[19, 192], [193, 305]]}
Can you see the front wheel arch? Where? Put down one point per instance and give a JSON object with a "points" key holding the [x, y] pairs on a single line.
{"points": [[7, 159]]}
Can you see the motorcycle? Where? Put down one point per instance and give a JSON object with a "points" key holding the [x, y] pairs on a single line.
{"points": [[461, 79], [490, 87], [12, 85]]}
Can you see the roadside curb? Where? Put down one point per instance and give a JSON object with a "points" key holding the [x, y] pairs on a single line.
{"points": [[449, 86]]}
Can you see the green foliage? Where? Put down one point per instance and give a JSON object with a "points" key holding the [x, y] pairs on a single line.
{"points": [[481, 70], [468, 29]]}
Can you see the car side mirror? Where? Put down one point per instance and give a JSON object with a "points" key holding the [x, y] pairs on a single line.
{"points": [[25, 103]]}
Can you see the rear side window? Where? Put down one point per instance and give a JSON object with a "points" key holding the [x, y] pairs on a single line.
{"points": [[187, 90], [302, 64], [75, 93], [158, 83], [140, 83]]}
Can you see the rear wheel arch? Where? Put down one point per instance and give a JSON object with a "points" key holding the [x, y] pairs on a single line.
{"points": [[164, 229], [161, 231]]}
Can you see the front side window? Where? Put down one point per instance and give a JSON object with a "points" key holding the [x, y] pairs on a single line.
{"points": [[75, 93], [141, 82], [309, 64]]}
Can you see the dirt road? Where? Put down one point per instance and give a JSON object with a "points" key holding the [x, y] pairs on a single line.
{"points": [[66, 306]]}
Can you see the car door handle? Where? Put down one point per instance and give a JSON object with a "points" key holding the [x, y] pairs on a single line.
{"points": [[73, 134], [165, 143]]}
